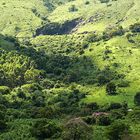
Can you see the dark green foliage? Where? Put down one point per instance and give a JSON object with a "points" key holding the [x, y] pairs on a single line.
{"points": [[57, 28], [115, 106], [93, 106], [116, 130], [38, 99], [44, 112], [123, 83], [87, 2], [104, 120], [118, 114], [73, 8], [19, 64], [45, 129], [89, 120], [69, 100], [137, 99], [111, 88], [4, 90], [93, 38], [134, 115], [107, 75], [135, 28], [113, 31], [104, 1], [3, 124], [77, 129]]}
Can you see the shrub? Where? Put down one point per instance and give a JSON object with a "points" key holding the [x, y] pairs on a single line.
{"points": [[73, 8], [117, 114], [135, 28], [137, 99], [87, 2], [45, 129], [123, 83], [106, 75], [89, 120], [4, 90], [3, 125], [116, 130], [111, 88], [115, 106], [77, 129], [104, 120], [93, 38], [104, 1], [113, 31], [135, 114], [93, 106]]}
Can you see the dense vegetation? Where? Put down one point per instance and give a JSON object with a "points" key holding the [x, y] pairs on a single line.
{"points": [[69, 70]]}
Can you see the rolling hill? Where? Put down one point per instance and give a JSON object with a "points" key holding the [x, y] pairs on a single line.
{"points": [[68, 65]]}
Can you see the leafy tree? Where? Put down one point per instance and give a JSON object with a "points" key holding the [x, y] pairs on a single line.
{"points": [[116, 130], [111, 88], [135, 28], [45, 129], [77, 129], [73, 8], [104, 120], [4, 90], [137, 99]]}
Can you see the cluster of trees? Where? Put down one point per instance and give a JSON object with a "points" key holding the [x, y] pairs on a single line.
{"points": [[35, 86]]}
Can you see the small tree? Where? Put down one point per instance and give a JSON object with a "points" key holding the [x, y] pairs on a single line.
{"points": [[117, 130], [77, 129], [73, 8], [137, 99], [111, 88], [45, 129]]}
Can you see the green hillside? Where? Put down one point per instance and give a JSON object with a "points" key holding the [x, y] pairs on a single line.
{"points": [[69, 70]]}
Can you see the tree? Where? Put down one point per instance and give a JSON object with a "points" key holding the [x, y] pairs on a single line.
{"points": [[77, 129], [137, 99], [111, 88], [117, 130], [45, 129], [73, 8]]}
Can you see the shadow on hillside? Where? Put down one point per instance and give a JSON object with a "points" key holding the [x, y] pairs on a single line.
{"points": [[59, 66], [57, 28]]}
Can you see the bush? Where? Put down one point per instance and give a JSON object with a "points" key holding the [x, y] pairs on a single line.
{"points": [[137, 99], [77, 129], [135, 28], [115, 106], [89, 120], [106, 75], [93, 38], [113, 31], [87, 2], [45, 129], [135, 114], [116, 130], [3, 125], [104, 1], [4, 90], [117, 114], [93, 106], [123, 83], [104, 120], [111, 88], [73, 8]]}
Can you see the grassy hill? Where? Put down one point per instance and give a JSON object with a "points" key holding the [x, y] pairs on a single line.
{"points": [[67, 64]]}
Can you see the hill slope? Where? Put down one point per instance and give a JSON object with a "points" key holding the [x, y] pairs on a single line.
{"points": [[68, 65]]}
